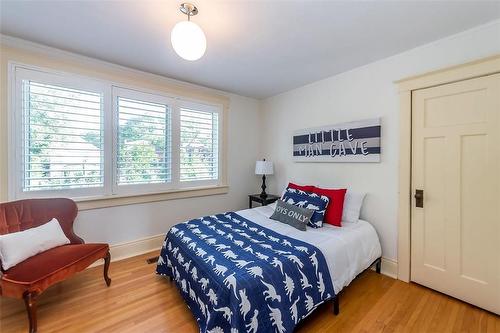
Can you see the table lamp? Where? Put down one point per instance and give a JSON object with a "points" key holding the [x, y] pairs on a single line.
{"points": [[264, 168]]}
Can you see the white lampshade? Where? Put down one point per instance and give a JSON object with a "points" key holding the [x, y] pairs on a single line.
{"points": [[188, 40], [264, 168]]}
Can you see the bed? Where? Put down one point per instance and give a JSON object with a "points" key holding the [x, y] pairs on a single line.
{"points": [[348, 250], [241, 271]]}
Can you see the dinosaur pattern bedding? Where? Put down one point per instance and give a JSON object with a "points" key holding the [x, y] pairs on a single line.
{"points": [[237, 276]]}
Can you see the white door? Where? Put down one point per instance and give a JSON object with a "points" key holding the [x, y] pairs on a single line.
{"points": [[455, 235]]}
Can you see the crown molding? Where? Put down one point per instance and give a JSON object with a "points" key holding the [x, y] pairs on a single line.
{"points": [[18, 43]]}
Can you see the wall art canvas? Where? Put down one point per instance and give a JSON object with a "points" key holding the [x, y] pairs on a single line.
{"points": [[357, 141]]}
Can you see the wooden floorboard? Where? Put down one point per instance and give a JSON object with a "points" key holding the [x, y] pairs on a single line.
{"points": [[140, 301]]}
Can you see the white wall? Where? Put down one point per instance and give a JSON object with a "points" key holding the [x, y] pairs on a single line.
{"points": [[127, 223], [365, 92]]}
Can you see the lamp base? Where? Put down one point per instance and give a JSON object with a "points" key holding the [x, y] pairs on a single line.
{"points": [[263, 194]]}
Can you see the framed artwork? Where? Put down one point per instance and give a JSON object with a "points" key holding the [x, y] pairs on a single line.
{"points": [[357, 141]]}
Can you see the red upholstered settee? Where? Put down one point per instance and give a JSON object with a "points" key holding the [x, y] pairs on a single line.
{"points": [[31, 277]]}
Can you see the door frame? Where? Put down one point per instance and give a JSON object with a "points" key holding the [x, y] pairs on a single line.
{"points": [[478, 68]]}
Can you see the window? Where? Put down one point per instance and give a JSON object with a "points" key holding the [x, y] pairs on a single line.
{"points": [[199, 144], [144, 135], [59, 146], [63, 131], [78, 137]]}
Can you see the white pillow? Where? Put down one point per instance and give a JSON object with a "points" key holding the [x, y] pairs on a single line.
{"points": [[19, 246], [352, 206]]}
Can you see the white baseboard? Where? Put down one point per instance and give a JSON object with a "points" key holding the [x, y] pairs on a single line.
{"points": [[389, 267], [133, 248]]}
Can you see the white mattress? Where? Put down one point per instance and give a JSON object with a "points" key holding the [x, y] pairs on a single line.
{"points": [[348, 250]]}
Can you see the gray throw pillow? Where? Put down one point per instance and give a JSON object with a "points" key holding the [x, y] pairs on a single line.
{"points": [[295, 216]]}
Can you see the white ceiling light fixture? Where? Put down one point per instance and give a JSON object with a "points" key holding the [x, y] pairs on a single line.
{"points": [[187, 38]]}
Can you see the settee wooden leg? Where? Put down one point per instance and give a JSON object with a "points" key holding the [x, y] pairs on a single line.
{"points": [[378, 265], [336, 307], [107, 261], [30, 302]]}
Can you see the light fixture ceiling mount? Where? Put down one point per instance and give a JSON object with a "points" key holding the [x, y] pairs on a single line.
{"points": [[189, 9], [188, 40]]}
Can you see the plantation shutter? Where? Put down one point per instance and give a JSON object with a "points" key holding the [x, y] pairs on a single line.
{"points": [[199, 145], [144, 142], [62, 140], [75, 137]]}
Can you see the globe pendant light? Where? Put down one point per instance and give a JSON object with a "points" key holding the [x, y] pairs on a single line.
{"points": [[187, 38]]}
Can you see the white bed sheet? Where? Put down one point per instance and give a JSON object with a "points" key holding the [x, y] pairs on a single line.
{"points": [[348, 250]]}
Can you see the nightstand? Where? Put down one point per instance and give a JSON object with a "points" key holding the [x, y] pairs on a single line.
{"points": [[263, 201]]}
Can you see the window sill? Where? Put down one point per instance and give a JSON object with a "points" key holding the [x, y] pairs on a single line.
{"points": [[88, 203]]}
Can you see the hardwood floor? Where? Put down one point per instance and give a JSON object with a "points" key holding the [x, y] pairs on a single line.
{"points": [[140, 301]]}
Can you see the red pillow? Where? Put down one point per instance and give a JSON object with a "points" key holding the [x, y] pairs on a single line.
{"points": [[307, 188], [333, 214]]}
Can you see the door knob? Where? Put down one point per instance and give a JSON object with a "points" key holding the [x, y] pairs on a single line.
{"points": [[419, 198]]}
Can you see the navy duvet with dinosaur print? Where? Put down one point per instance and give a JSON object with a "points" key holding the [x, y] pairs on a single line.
{"points": [[237, 276]]}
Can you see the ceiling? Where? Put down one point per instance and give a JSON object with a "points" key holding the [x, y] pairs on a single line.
{"points": [[255, 48]]}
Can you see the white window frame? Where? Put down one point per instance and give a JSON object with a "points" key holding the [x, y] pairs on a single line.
{"points": [[110, 92], [206, 108], [16, 151], [145, 97]]}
